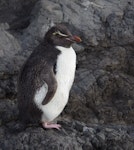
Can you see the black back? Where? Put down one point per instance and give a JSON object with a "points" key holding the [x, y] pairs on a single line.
{"points": [[33, 75]]}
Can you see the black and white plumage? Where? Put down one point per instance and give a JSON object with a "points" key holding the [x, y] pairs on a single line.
{"points": [[46, 78]]}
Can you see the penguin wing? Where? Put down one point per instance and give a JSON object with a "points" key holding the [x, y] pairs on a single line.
{"points": [[51, 82]]}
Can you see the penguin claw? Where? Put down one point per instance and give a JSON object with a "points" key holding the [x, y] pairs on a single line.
{"points": [[51, 126]]}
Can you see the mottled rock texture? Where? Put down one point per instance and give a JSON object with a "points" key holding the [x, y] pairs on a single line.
{"points": [[102, 97]]}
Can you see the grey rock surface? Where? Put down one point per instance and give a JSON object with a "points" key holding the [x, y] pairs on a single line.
{"points": [[103, 92], [73, 135]]}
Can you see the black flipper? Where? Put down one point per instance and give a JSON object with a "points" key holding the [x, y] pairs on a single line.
{"points": [[52, 87]]}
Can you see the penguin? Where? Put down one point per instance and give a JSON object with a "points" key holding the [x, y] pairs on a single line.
{"points": [[46, 78]]}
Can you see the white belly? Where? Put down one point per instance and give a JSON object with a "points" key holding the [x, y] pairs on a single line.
{"points": [[66, 64]]}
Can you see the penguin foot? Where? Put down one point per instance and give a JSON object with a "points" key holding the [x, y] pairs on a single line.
{"points": [[51, 125]]}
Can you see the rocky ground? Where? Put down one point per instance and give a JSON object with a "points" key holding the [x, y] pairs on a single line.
{"points": [[100, 112], [73, 136]]}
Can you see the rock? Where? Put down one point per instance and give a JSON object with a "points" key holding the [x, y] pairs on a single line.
{"points": [[34, 138], [8, 111], [103, 91], [9, 47]]}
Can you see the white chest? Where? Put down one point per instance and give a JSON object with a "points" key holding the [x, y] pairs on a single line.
{"points": [[65, 71], [66, 64]]}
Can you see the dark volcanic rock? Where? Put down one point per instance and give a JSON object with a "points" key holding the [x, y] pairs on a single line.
{"points": [[103, 92], [69, 137]]}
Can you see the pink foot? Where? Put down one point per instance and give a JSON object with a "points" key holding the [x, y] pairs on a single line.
{"points": [[50, 126]]}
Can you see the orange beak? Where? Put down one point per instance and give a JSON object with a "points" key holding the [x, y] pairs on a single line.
{"points": [[76, 39]]}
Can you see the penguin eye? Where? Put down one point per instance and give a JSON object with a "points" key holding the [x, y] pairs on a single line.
{"points": [[59, 33]]}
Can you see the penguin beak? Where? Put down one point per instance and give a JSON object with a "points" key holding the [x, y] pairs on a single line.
{"points": [[74, 38], [77, 39]]}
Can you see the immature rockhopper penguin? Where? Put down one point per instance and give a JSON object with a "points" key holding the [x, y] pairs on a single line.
{"points": [[46, 78]]}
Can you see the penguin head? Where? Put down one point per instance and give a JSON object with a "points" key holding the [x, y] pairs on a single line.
{"points": [[59, 35]]}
